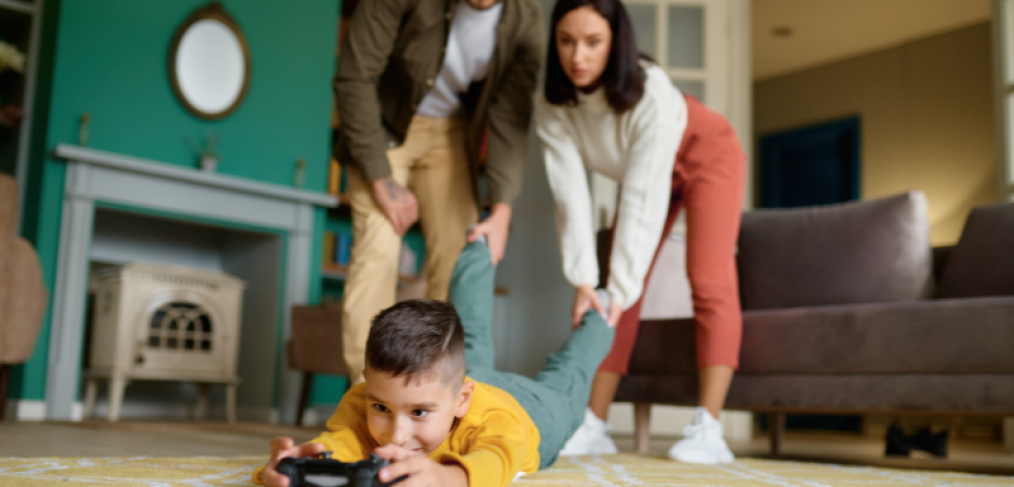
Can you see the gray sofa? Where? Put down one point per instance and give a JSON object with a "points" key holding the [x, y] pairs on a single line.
{"points": [[848, 311]]}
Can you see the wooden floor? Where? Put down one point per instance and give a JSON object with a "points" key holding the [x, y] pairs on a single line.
{"points": [[99, 438]]}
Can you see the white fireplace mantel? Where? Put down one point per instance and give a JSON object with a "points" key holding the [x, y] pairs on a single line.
{"points": [[95, 176]]}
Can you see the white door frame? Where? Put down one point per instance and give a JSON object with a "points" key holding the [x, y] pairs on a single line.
{"points": [[1003, 69], [727, 78]]}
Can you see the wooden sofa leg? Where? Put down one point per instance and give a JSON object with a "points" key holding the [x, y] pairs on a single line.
{"points": [[642, 426], [1008, 433], [304, 397], [776, 426], [5, 381]]}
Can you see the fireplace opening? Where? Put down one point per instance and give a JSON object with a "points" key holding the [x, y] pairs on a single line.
{"points": [[120, 238]]}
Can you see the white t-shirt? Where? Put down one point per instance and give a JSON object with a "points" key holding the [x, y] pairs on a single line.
{"points": [[637, 149], [470, 46]]}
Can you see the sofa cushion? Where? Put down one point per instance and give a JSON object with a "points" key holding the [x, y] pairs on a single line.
{"points": [[861, 252], [940, 336], [981, 264]]}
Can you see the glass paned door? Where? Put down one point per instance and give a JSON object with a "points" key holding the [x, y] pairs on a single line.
{"points": [[688, 40], [686, 37], [695, 41], [642, 16]]}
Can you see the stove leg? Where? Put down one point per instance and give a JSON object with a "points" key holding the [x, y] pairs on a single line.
{"points": [[116, 386], [201, 408], [230, 402]]}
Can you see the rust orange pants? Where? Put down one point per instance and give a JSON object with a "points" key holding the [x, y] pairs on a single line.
{"points": [[708, 182]]}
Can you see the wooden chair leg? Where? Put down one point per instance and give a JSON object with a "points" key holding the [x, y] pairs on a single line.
{"points": [[642, 426], [304, 397], [776, 427], [5, 382], [1008, 433]]}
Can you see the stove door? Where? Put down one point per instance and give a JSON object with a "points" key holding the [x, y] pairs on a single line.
{"points": [[183, 332]]}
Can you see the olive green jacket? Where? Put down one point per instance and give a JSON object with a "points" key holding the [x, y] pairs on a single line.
{"points": [[395, 51]]}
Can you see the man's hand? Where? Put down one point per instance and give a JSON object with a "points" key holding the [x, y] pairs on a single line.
{"points": [[495, 228], [282, 447], [421, 471], [586, 298], [397, 202]]}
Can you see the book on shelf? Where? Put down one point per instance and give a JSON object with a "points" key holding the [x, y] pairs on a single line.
{"points": [[334, 178], [338, 247], [329, 245], [343, 248]]}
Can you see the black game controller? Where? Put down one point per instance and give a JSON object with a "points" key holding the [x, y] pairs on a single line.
{"points": [[323, 471]]}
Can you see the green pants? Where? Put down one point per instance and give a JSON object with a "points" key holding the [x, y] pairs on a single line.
{"points": [[557, 397]]}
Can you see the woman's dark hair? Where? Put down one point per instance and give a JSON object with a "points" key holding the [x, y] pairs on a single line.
{"points": [[623, 78], [418, 337]]}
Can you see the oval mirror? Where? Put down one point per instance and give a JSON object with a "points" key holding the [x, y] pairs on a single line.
{"points": [[209, 63]]}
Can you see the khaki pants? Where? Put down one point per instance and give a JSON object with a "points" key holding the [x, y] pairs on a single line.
{"points": [[433, 164]]}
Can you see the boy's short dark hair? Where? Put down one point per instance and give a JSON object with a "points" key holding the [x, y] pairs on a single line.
{"points": [[414, 337]]}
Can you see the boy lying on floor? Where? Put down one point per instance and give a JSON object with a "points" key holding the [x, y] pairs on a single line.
{"points": [[440, 427]]}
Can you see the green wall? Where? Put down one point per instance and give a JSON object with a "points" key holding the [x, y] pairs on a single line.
{"points": [[108, 58]]}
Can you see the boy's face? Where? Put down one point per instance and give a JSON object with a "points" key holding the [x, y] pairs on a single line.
{"points": [[416, 415]]}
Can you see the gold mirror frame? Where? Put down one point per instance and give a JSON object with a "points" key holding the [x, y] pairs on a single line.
{"points": [[211, 11]]}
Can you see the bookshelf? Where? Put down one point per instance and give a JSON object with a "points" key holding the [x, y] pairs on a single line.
{"points": [[337, 272], [334, 264]]}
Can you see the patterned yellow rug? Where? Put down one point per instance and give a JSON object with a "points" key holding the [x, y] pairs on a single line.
{"points": [[606, 471]]}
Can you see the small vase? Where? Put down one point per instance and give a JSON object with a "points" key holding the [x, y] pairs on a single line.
{"points": [[209, 163]]}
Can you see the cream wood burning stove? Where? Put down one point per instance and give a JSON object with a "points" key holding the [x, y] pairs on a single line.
{"points": [[156, 322]]}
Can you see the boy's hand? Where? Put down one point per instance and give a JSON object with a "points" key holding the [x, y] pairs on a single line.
{"points": [[282, 447], [422, 471]]}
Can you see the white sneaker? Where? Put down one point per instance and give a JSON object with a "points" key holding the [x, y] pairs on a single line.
{"points": [[592, 438], [702, 442]]}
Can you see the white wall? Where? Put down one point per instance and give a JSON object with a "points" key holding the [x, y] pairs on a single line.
{"points": [[536, 311], [926, 112]]}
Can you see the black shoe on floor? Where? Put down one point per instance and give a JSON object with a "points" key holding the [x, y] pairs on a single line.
{"points": [[898, 443]]}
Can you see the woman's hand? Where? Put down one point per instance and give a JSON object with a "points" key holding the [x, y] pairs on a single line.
{"points": [[286, 448], [586, 298], [496, 228]]}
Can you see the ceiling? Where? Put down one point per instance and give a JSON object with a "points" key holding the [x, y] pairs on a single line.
{"points": [[823, 31]]}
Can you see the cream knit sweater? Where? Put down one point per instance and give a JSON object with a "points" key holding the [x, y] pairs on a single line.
{"points": [[638, 150]]}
